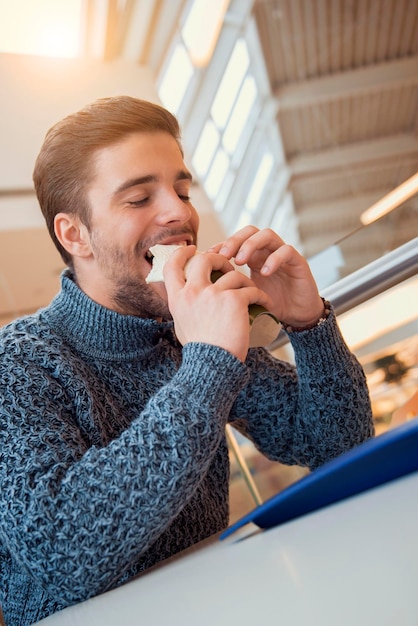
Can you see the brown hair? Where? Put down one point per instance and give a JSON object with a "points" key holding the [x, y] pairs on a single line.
{"points": [[64, 166]]}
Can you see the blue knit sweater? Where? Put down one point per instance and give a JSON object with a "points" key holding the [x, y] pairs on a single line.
{"points": [[112, 441]]}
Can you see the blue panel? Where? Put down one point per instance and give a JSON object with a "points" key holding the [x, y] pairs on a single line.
{"points": [[372, 463]]}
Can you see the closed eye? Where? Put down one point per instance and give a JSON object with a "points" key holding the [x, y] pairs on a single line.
{"points": [[139, 203]]}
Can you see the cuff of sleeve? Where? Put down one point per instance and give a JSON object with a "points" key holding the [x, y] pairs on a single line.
{"points": [[209, 369], [322, 346]]}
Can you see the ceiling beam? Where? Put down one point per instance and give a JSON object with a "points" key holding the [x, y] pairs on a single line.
{"points": [[108, 26], [133, 26], [344, 211], [94, 28], [163, 27], [111, 49], [348, 84], [354, 154]]}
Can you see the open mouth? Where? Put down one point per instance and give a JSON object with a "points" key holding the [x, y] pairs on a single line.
{"points": [[158, 255], [149, 257]]}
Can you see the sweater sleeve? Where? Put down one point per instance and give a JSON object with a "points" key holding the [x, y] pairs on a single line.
{"points": [[75, 516], [308, 414]]}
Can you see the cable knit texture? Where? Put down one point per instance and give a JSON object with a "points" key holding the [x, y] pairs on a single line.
{"points": [[112, 441]]}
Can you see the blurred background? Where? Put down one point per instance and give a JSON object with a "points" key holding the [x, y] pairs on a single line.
{"points": [[299, 115]]}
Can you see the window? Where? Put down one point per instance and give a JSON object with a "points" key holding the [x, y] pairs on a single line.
{"points": [[240, 115], [205, 150], [259, 182], [176, 78], [216, 174], [222, 102], [256, 191], [230, 84]]}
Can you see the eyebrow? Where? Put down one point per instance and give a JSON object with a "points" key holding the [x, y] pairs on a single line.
{"points": [[149, 178]]}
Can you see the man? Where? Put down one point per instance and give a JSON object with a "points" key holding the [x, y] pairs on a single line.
{"points": [[114, 398]]}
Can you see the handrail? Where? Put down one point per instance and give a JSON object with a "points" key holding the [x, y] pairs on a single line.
{"points": [[369, 281], [242, 464], [374, 278]]}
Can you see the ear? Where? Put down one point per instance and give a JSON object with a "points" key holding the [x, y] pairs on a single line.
{"points": [[72, 235]]}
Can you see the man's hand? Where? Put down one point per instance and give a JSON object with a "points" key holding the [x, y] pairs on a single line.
{"points": [[279, 271], [203, 311]]}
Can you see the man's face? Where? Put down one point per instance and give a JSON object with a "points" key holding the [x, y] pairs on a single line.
{"points": [[139, 197]]}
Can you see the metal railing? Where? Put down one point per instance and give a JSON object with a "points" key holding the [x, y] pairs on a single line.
{"points": [[369, 281]]}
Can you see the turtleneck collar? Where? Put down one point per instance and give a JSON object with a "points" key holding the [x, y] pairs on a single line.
{"points": [[98, 331]]}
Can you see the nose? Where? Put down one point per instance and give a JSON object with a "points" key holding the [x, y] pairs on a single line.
{"points": [[174, 209]]}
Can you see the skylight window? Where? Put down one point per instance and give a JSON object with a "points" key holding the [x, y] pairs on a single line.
{"points": [[176, 78], [201, 29], [206, 147], [259, 182], [230, 84], [224, 111], [240, 114], [216, 174]]}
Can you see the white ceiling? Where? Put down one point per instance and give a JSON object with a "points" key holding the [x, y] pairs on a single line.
{"points": [[345, 73]]}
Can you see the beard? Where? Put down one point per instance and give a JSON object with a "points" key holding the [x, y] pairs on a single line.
{"points": [[131, 295]]}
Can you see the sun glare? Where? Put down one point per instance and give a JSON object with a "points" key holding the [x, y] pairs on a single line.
{"points": [[40, 27]]}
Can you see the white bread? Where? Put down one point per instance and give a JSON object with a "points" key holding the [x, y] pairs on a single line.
{"points": [[264, 327], [161, 255]]}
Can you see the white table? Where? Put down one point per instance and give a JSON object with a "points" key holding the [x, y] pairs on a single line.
{"points": [[354, 563]]}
